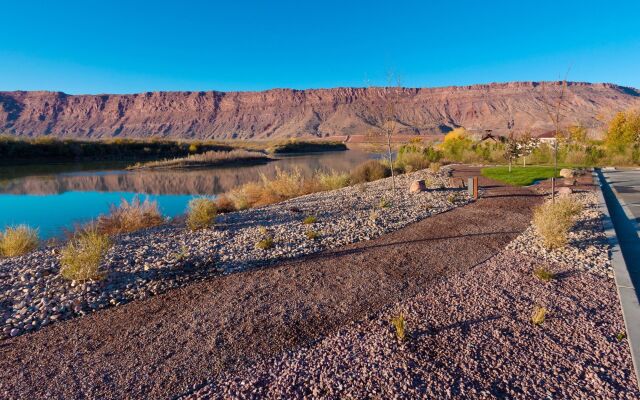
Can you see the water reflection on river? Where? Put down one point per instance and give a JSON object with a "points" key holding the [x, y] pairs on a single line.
{"points": [[55, 197]]}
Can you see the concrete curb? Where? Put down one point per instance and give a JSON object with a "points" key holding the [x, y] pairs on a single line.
{"points": [[627, 293]]}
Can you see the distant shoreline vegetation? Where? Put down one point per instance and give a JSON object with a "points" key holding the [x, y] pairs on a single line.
{"points": [[208, 159], [295, 146], [17, 150]]}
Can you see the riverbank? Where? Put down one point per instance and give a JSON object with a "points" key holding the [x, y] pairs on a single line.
{"points": [[20, 151], [172, 343], [149, 262]]}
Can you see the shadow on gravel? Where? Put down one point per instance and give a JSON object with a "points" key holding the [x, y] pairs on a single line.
{"points": [[391, 244]]}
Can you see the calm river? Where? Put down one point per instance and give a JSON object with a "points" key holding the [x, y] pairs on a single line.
{"points": [[55, 197]]}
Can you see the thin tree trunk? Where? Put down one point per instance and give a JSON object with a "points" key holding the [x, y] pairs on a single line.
{"points": [[393, 176]]}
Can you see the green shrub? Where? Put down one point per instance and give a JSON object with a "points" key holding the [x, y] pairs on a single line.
{"points": [[369, 171], [202, 213], [82, 256], [19, 240]]}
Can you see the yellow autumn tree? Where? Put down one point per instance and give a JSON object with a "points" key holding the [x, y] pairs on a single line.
{"points": [[455, 143], [623, 131]]}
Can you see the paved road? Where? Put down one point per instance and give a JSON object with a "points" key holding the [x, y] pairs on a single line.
{"points": [[621, 190], [627, 185]]}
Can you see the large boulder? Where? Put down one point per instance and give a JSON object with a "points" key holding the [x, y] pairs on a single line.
{"points": [[564, 191], [417, 186], [567, 173]]}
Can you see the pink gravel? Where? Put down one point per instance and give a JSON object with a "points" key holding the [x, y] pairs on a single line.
{"points": [[470, 336]]}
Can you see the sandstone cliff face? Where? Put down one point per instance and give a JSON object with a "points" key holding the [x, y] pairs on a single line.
{"points": [[318, 112]]}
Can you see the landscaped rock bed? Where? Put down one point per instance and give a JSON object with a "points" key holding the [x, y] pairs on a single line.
{"points": [[471, 336], [32, 293], [587, 247]]}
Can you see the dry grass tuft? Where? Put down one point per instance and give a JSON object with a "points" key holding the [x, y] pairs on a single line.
{"points": [[538, 315], [554, 220], [82, 256], [369, 171], [412, 161], [311, 219], [202, 213], [544, 274], [18, 240], [130, 217], [312, 235], [384, 203], [400, 325], [224, 204], [265, 244], [435, 167], [332, 180]]}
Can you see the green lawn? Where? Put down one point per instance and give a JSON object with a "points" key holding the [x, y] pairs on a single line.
{"points": [[519, 176]]}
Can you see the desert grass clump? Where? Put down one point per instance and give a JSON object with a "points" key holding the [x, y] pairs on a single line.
{"points": [[543, 274], [412, 161], [18, 240], [130, 216], [384, 203], [400, 325], [265, 244], [369, 171], [620, 336], [202, 213], [332, 180], [553, 221], [538, 316], [312, 235], [82, 256], [435, 167], [224, 204], [311, 219]]}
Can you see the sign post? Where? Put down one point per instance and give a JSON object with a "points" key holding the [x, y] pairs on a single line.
{"points": [[472, 187]]}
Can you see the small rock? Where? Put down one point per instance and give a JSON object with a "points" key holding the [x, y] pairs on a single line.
{"points": [[417, 186]]}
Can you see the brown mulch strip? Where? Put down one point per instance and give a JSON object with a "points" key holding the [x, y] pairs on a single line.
{"points": [[171, 343]]}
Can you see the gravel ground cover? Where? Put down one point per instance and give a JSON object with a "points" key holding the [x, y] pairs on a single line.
{"points": [[471, 336], [174, 342], [139, 265]]}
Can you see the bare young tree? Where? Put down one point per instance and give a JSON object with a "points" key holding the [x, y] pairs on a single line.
{"points": [[512, 150], [554, 104], [390, 122]]}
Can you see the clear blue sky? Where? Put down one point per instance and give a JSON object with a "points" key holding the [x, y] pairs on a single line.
{"points": [[135, 46]]}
